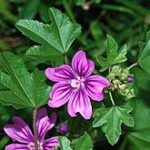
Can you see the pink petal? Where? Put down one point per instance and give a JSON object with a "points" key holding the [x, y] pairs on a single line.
{"points": [[19, 131], [80, 102], [16, 147], [61, 93], [61, 73], [44, 123], [81, 65], [51, 143], [94, 86]]}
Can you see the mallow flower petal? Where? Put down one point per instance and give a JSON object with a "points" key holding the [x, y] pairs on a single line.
{"points": [[81, 65], [19, 131], [61, 73], [80, 103], [94, 86], [16, 147], [61, 93], [51, 143], [44, 123]]}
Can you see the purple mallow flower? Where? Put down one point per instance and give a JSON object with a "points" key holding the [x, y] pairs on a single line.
{"points": [[130, 79], [76, 86], [21, 132], [63, 128]]}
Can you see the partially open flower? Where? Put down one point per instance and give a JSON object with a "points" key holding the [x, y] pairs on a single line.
{"points": [[21, 132]]}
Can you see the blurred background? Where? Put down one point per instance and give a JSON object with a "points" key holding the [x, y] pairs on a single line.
{"points": [[126, 20]]}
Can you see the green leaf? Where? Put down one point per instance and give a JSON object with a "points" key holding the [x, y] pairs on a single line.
{"points": [[112, 46], [139, 137], [40, 54], [30, 9], [59, 35], [114, 56], [7, 98], [145, 52], [43, 12], [22, 88], [111, 119], [144, 64], [64, 143], [84, 143], [96, 32]]}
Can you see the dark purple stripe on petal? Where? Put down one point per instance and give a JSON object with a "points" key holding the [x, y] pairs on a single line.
{"points": [[94, 86], [80, 103], [61, 73], [16, 147], [81, 65], [61, 93], [51, 143], [44, 123], [19, 131]]}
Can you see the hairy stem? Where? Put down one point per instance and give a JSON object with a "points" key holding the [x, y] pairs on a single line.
{"points": [[133, 65], [65, 58], [124, 144], [34, 129], [111, 98]]}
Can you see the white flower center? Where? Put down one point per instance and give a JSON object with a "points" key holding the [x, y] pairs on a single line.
{"points": [[77, 83], [31, 146]]}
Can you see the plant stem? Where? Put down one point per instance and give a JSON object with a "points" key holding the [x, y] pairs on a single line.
{"points": [[124, 144], [111, 98], [65, 58], [133, 65], [34, 129], [69, 11]]}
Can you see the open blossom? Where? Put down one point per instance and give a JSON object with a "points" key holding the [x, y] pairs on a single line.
{"points": [[76, 86], [21, 132]]}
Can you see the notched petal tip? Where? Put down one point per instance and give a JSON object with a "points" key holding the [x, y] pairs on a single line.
{"points": [[19, 130], [80, 103], [44, 123], [81, 65], [61, 73]]}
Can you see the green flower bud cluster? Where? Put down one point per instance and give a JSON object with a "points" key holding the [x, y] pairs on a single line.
{"points": [[119, 81], [119, 73], [127, 93]]}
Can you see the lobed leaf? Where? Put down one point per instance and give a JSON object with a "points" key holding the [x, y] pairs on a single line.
{"points": [[59, 35], [138, 137], [111, 119], [64, 143], [84, 143], [40, 54], [114, 56], [24, 89]]}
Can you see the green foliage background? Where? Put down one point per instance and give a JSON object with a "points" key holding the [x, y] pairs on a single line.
{"points": [[22, 61]]}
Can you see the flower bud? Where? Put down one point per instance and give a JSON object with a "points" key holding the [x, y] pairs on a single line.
{"points": [[124, 75], [116, 69], [111, 76], [130, 79], [63, 128]]}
